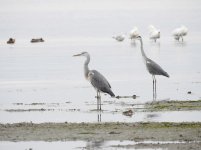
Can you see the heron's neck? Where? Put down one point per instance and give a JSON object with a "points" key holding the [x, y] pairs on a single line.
{"points": [[86, 68], [142, 50]]}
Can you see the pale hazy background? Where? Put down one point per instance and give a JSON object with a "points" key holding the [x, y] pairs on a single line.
{"points": [[47, 72]]}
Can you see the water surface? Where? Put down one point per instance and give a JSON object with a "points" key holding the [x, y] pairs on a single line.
{"points": [[47, 72]]}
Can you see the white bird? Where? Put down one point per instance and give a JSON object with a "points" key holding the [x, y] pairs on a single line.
{"points": [[119, 38], [134, 33], [180, 32], [154, 33]]}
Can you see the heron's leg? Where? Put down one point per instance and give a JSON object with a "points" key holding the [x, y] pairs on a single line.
{"points": [[97, 101], [99, 104], [153, 86], [100, 100], [99, 116]]}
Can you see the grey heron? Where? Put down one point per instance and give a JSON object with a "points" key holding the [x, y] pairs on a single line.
{"points": [[97, 80], [152, 67]]}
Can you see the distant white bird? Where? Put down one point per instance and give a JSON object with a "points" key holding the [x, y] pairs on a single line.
{"points": [[154, 33], [134, 33], [119, 38], [180, 32]]}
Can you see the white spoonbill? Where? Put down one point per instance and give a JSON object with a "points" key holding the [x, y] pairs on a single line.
{"points": [[154, 33]]}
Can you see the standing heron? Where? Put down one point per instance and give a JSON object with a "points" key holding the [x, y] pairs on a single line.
{"points": [[97, 80], [152, 67]]}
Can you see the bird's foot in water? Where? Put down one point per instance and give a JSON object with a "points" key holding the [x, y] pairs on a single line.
{"points": [[98, 97]]}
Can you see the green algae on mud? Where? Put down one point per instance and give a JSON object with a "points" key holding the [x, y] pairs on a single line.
{"points": [[173, 105], [158, 145], [153, 131]]}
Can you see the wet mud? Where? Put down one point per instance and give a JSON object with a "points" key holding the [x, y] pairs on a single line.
{"points": [[101, 131]]}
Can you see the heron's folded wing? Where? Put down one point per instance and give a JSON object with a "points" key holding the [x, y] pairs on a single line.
{"points": [[98, 80]]}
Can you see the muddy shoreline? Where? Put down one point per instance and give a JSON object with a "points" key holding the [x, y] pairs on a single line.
{"points": [[173, 105], [101, 131]]}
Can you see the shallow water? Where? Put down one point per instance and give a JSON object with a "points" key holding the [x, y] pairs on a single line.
{"points": [[39, 113], [47, 72], [81, 145]]}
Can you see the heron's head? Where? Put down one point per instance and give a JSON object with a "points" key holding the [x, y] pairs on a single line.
{"points": [[139, 37], [81, 54]]}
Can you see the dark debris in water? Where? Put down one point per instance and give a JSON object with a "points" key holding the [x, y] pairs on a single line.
{"points": [[41, 110], [17, 103], [133, 97], [28, 110], [189, 92], [128, 113], [113, 132]]}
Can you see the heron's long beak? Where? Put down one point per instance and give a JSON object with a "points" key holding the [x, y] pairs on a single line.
{"points": [[76, 55]]}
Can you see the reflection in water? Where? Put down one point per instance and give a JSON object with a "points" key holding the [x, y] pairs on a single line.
{"points": [[99, 116], [94, 145], [151, 116], [99, 106], [157, 44], [133, 43], [180, 43]]}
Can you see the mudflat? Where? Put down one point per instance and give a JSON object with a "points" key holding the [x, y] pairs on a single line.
{"points": [[164, 131]]}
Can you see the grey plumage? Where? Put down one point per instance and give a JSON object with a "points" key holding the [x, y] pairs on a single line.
{"points": [[97, 80], [152, 67]]}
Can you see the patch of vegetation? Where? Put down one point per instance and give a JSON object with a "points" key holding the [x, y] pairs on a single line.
{"points": [[173, 105], [87, 133], [171, 124], [28, 110]]}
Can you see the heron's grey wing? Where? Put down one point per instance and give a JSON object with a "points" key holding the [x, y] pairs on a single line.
{"points": [[154, 68], [99, 80]]}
